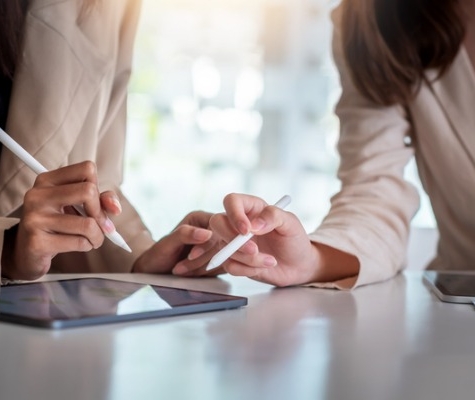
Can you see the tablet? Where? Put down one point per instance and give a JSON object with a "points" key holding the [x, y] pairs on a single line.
{"points": [[91, 301], [452, 287]]}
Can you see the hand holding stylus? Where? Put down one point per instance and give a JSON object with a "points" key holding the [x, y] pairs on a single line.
{"points": [[278, 250], [234, 245], [36, 167], [48, 226]]}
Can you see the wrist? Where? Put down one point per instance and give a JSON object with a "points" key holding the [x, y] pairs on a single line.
{"points": [[333, 264]]}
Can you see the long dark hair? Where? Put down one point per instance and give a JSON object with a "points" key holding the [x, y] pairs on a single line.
{"points": [[388, 44], [12, 16]]}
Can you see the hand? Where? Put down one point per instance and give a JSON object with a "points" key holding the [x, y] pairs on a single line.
{"points": [[280, 252], [49, 224], [177, 252]]}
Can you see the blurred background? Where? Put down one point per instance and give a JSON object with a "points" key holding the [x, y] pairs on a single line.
{"points": [[234, 96]]}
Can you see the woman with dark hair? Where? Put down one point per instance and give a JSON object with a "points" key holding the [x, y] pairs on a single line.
{"points": [[408, 89], [64, 70]]}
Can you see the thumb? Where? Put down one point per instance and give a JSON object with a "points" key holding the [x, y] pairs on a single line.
{"points": [[110, 202]]}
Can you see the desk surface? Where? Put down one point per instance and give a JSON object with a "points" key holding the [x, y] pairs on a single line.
{"points": [[393, 340]]}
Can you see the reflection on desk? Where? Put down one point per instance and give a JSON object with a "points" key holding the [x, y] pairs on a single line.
{"points": [[392, 340]]}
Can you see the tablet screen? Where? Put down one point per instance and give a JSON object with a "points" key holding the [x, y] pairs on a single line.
{"points": [[87, 301]]}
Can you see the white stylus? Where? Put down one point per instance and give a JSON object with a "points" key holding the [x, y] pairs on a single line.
{"points": [[33, 164], [228, 250]]}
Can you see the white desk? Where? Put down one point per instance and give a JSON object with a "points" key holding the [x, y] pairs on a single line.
{"points": [[388, 341]]}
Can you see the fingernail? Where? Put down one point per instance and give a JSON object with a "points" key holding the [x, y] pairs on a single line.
{"points": [[108, 225], [201, 234], [242, 227], [195, 253], [270, 261], [116, 202], [179, 270], [258, 224]]}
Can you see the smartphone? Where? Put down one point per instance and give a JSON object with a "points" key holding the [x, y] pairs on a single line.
{"points": [[452, 287]]}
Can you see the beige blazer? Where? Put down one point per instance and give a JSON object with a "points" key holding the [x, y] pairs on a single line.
{"points": [[68, 105], [371, 214]]}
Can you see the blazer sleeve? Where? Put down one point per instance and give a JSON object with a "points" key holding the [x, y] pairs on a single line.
{"points": [[370, 215]]}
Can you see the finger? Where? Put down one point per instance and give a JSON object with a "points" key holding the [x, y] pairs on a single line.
{"points": [[110, 202], [42, 247], [221, 226], [61, 243], [196, 251], [187, 234], [258, 260], [210, 247], [163, 256], [241, 208], [273, 218], [65, 224], [196, 218], [59, 198], [82, 172], [259, 264], [199, 238], [197, 260], [196, 267]]}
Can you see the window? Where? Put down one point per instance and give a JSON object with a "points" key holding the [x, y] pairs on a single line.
{"points": [[232, 96]]}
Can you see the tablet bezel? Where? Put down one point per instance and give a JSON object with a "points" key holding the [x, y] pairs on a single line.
{"points": [[227, 302]]}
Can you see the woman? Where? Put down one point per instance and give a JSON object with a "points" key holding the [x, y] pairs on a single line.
{"points": [[407, 74], [65, 67]]}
